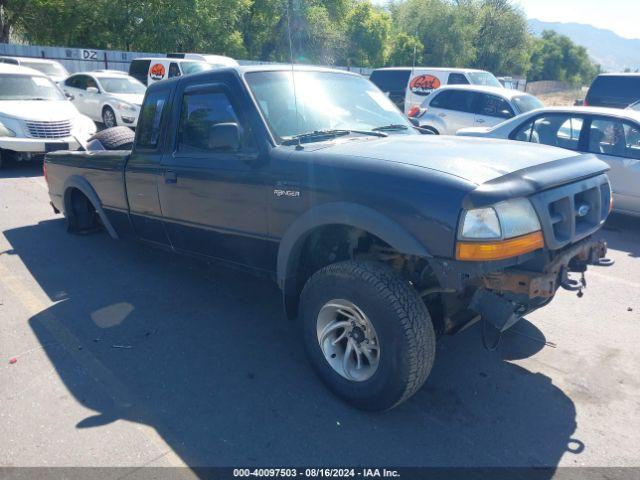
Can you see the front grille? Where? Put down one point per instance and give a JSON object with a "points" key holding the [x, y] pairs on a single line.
{"points": [[58, 129], [572, 212]]}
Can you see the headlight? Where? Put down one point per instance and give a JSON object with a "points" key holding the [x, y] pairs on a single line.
{"points": [[6, 132], [504, 230], [125, 106]]}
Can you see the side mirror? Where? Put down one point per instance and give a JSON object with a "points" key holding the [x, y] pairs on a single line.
{"points": [[224, 137], [506, 114], [92, 90], [69, 96]]}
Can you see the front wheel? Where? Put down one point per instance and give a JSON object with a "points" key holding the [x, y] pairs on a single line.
{"points": [[367, 333], [109, 118]]}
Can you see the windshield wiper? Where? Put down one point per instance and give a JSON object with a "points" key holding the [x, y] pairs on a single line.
{"points": [[390, 127], [318, 135]]}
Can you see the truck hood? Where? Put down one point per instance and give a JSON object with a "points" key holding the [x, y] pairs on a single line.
{"points": [[476, 160], [38, 110], [133, 98]]}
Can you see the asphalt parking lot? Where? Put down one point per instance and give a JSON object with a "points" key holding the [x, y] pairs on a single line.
{"points": [[129, 356]]}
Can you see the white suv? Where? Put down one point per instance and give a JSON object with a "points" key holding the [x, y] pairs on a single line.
{"points": [[35, 116], [451, 108], [110, 97]]}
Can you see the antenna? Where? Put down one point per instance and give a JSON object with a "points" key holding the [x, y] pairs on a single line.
{"points": [[293, 75]]}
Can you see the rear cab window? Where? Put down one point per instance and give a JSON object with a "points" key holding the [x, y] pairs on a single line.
{"points": [[139, 69], [150, 119], [392, 82]]}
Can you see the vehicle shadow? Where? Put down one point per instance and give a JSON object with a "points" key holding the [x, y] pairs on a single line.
{"points": [[13, 169], [205, 356], [622, 232]]}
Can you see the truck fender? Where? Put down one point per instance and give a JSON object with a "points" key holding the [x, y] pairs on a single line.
{"points": [[80, 183], [337, 213]]}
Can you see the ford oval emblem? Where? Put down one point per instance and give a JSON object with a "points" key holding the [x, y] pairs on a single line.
{"points": [[583, 210]]}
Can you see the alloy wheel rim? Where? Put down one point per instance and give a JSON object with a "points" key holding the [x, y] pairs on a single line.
{"points": [[109, 119], [348, 340]]}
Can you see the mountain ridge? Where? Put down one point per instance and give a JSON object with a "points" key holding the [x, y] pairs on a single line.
{"points": [[613, 52]]}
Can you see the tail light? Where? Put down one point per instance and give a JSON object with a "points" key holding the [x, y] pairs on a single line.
{"points": [[416, 112]]}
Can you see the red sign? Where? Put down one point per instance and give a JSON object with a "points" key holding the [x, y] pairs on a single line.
{"points": [[157, 71], [424, 84]]}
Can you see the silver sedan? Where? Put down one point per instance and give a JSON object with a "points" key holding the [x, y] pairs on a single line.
{"points": [[611, 134]]}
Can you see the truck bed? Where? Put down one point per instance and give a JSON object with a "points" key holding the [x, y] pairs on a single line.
{"points": [[102, 170]]}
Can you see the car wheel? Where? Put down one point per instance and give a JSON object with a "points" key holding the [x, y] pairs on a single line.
{"points": [[109, 117], [367, 333], [431, 129], [83, 217], [116, 138]]}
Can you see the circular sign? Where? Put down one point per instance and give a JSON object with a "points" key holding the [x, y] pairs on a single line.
{"points": [[424, 84], [157, 71]]}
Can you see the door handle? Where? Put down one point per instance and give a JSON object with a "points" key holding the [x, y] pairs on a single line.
{"points": [[442, 115], [479, 120], [170, 177]]}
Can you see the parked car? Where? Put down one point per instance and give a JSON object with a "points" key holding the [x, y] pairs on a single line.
{"points": [[213, 60], [614, 90], [35, 117], [380, 238], [451, 108], [151, 70], [110, 97], [54, 70], [407, 87], [613, 135]]}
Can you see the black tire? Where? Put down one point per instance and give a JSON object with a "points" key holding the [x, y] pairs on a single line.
{"points": [[109, 117], [399, 316], [116, 138], [83, 217]]}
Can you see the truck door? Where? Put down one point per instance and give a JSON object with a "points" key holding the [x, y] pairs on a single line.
{"points": [[213, 196], [144, 171]]}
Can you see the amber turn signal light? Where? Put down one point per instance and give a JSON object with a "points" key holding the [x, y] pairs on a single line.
{"points": [[480, 251]]}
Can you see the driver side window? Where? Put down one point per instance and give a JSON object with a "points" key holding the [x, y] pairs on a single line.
{"points": [[200, 112], [555, 130]]}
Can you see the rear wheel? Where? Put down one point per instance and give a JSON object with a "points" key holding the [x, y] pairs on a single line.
{"points": [[82, 217], [109, 118], [431, 129], [367, 333]]}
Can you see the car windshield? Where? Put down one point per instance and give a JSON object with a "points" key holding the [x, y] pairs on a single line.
{"points": [[322, 101], [526, 103], [26, 87], [122, 84], [194, 67], [484, 78], [47, 68]]}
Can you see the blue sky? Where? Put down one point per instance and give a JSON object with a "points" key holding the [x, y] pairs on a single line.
{"points": [[621, 16]]}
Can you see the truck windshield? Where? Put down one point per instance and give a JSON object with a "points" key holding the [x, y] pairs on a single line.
{"points": [[25, 87], [322, 101], [121, 85], [484, 78]]}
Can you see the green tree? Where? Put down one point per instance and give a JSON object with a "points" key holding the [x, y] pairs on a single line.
{"points": [[404, 49], [367, 31], [556, 57]]}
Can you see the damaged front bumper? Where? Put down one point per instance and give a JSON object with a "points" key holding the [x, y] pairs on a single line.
{"points": [[502, 295]]}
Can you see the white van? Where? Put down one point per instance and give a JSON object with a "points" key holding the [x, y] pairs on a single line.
{"points": [[218, 61], [407, 87], [151, 70]]}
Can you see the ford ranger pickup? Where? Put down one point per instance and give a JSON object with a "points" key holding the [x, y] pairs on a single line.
{"points": [[381, 239]]}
